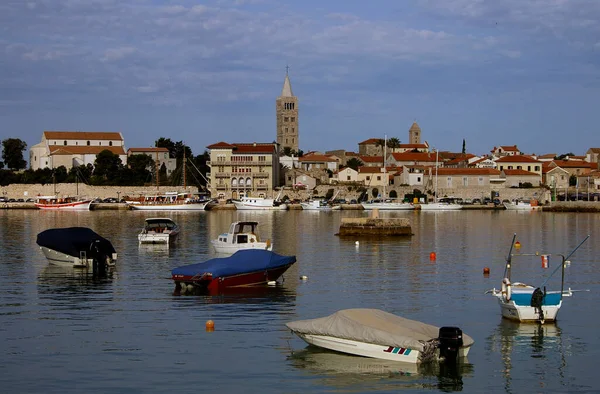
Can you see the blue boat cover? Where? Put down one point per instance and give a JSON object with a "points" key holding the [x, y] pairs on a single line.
{"points": [[71, 240], [242, 261]]}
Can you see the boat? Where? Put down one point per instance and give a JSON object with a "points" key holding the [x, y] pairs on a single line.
{"points": [[319, 205], [385, 203], [241, 235], [378, 334], [525, 303], [78, 247], [247, 203], [158, 231], [245, 267], [170, 201], [443, 204], [63, 203], [522, 205]]}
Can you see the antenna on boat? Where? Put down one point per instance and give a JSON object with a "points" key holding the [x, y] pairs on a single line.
{"points": [[563, 261], [509, 257]]}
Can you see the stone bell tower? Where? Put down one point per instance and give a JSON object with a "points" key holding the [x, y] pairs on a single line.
{"points": [[414, 134], [286, 108]]}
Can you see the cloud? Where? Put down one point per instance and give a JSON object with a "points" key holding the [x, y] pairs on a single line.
{"points": [[113, 54]]}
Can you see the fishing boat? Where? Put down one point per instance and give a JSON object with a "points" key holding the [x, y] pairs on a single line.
{"points": [[378, 334], [525, 303], [158, 231], [319, 205], [244, 268], [384, 203], [247, 203], [522, 205], [62, 203], [441, 204], [241, 235], [78, 247], [170, 201]]}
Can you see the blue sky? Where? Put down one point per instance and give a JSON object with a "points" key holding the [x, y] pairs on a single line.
{"points": [[492, 72]]}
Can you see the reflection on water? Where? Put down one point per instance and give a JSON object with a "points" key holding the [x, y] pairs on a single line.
{"points": [[58, 280], [344, 371]]}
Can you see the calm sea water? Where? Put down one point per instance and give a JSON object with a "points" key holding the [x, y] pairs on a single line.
{"points": [[61, 331]]}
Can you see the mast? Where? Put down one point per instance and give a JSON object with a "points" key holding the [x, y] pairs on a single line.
{"points": [[436, 174], [157, 185], [184, 183], [385, 180]]}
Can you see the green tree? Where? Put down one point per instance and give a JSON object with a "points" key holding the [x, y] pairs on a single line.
{"points": [[573, 180], [564, 156], [354, 163], [393, 143], [464, 148], [106, 167], [166, 143], [12, 152]]}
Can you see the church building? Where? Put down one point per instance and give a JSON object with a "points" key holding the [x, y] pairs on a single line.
{"points": [[286, 108]]}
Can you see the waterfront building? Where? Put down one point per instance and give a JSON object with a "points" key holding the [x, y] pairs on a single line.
{"points": [[74, 148], [506, 150], [519, 162], [518, 177], [159, 155], [286, 112], [243, 169], [345, 175]]}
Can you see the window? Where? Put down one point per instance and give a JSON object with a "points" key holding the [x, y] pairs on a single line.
{"points": [[419, 179], [378, 177], [65, 143], [286, 129], [449, 181], [286, 119], [465, 181], [368, 178], [110, 143], [480, 181], [293, 130], [293, 118], [348, 178], [88, 143]]}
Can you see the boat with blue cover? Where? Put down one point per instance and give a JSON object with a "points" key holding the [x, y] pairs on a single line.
{"points": [[525, 303], [244, 268]]}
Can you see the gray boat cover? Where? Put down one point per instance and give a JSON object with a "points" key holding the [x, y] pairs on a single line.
{"points": [[372, 326]]}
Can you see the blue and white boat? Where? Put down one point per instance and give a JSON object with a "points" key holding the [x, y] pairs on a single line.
{"points": [[525, 303]]}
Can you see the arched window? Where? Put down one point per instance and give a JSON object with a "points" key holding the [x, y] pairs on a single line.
{"points": [[110, 143], [241, 182], [248, 182], [88, 143], [65, 142], [234, 182]]}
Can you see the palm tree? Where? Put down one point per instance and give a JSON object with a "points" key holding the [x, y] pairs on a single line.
{"points": [[354, 163], [393, 143]]}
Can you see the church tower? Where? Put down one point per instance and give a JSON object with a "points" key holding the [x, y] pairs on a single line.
{"points": [[286, 108], [414, 134]]}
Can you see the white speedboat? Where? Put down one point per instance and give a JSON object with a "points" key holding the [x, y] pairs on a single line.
{"points": [[318, 205], [525, 303], [78, 247], [441, 206], [387, 205], [62, 204], [258, 204], [170, 201], [241, 235], [158, 231], [521, 205], [378, 334]]}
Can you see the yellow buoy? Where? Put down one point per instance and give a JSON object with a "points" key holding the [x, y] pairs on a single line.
{"points": [[517, 245], [210, 325]]}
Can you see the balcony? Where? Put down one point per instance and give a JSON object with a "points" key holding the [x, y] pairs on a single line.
{"points": [[222, 175], [268, 163], [261, 175], [221, 186], [262, 187]]}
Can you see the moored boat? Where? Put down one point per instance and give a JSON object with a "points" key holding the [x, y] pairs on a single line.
{"points": [[78, 247], [158, 231], [241, 235], [258, 204], [522, 205], [387, 205], [378, 334], [244, 268], [170, 201], [525, 303], [63, 203]]}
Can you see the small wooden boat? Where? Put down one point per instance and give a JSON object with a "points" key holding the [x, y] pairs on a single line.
{"points": [[78, 247], [244, 268], [63, 204], [525, 303], [158, 231], [378, 334], [241, 235]]}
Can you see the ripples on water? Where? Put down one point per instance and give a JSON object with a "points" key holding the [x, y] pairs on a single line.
{"points": [[63, 331]]}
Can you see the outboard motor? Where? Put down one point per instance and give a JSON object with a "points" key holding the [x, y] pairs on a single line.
{"points": [[450, 340], [99, 260]]}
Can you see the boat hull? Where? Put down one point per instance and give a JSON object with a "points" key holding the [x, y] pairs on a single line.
{"points": [[440, 207], [242, 206], [65, 260], [521, 207], [388, 206], [157, 238], [367, 349], [228, 248], [72, 206], [169, 207], [523, 313]]}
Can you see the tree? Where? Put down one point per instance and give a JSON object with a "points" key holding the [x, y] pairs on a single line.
{"points": [[564, 155], [142, 167], [12, 152], [106, 167], [464, 149], [393, 143], [354, 163], [166, 143], [573, 180]]}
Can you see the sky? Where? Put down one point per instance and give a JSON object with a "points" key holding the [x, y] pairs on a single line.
{"points": [[489, 72]]}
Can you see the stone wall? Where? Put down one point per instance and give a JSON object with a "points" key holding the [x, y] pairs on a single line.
{"points": [[26, 191]]}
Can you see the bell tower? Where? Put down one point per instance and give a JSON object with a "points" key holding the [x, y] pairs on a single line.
{"points": [[414, 134], [286, 109]]}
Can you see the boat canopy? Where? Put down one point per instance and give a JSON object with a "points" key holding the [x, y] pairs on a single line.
{"points": [[72, 240], [372, 326], [242, 261]]}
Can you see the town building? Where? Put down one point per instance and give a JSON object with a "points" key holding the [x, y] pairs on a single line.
{"points": [[519, 162], [286, 111], [159, 155], [74, 148], [243, 169]]}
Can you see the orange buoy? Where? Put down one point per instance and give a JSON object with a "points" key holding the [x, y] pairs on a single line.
{"points": [[432, 256], [210, 325], [517, 245], [486, 271]]}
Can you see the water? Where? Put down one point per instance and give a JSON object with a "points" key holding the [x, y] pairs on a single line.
{"points": [[65, 332]]}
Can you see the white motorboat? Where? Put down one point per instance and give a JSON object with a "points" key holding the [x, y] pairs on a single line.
{"points": [[241, 235], [63, 204], [524, 303], [441, 206], [170, 201], [158, 231], [378, 334], [318, 205], [258, 204], [387, 205], [522, 205], [78, 247]]}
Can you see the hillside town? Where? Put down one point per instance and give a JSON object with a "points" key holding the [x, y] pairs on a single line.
{"points": [[380, 167]]}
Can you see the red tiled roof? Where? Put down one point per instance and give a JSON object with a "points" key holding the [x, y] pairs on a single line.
{"points": [[517, 159], [316, 158], [84, 150], [460, 159], [466, 171], [252, 147], [572, 163], [412, 146], [370, 141], [509, 148], [414, 156], [220, 145], [83, 135]]}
